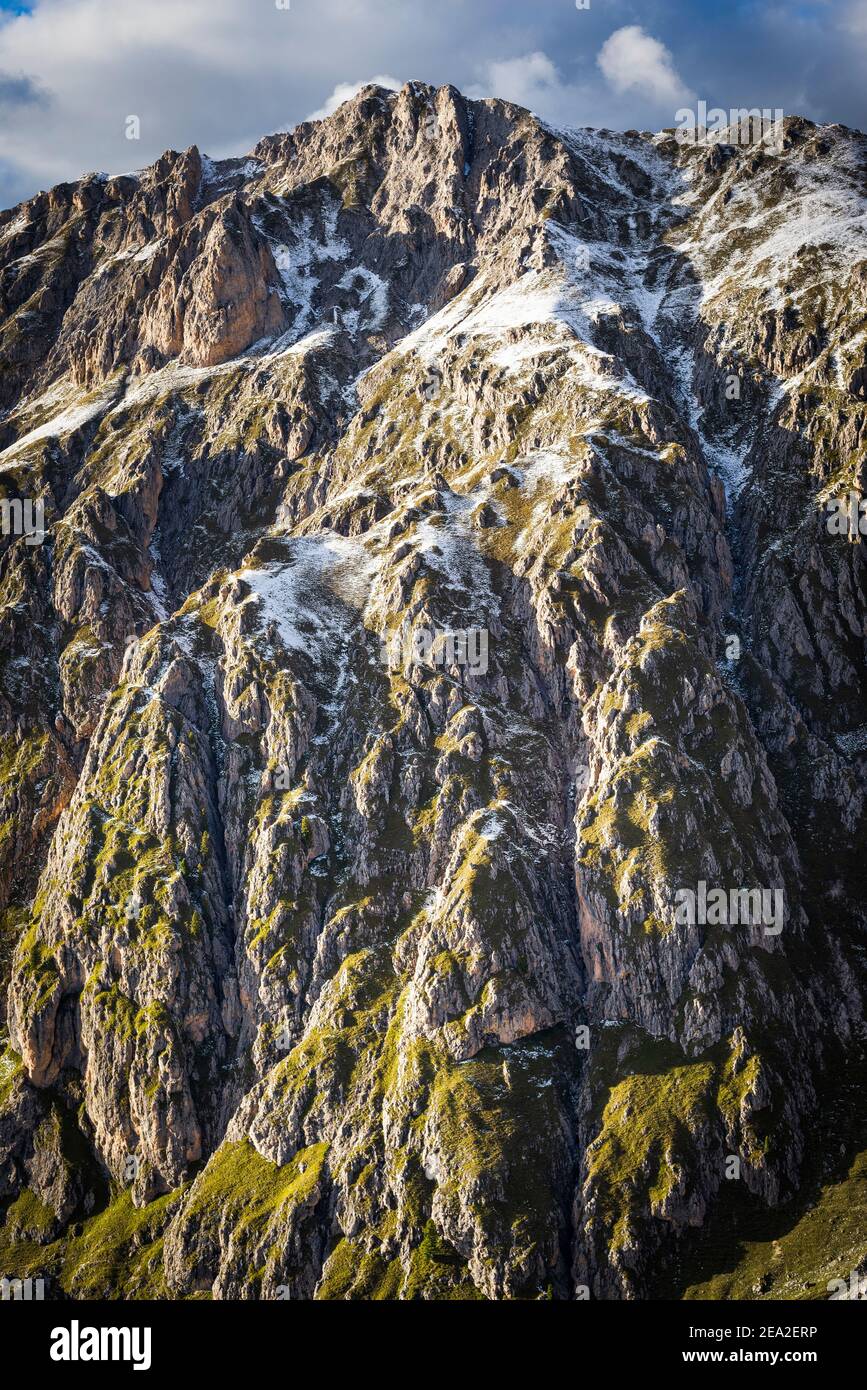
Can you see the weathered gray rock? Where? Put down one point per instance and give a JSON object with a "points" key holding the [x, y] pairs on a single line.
{"points": [[312, 895]]}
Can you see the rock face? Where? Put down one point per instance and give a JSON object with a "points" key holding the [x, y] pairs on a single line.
{"points": [[437, 597], [209, 308]]}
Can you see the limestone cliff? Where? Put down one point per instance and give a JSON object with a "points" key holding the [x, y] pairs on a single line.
{"points": [[334, 970]]}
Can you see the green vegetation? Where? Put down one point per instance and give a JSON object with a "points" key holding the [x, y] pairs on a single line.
{"points": [[21, 758], [756, 1253], [114, 1254], [646, 1138], [435, 1273], [353, 1272], [81, 651], [241, 1190], [39, 974], [240, 1183], [29, 1218]]}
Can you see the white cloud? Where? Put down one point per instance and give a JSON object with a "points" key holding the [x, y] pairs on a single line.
{"points": [[216, 73], [633, 61], [345, 91], [533, 81], [855, 18], [223, 73], [638, 72], [529, 81]]}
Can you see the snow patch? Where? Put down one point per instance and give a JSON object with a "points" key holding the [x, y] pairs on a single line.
{"points": [[376, 296], [316, 595], [64, 423]]}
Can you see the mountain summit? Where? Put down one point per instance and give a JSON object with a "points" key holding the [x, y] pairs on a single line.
{"points": [[434, 734]]}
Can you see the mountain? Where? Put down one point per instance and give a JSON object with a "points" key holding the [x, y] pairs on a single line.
{"points": [[434, 733]]}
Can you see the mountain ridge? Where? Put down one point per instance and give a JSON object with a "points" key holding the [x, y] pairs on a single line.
{"points": [[305, 942]]}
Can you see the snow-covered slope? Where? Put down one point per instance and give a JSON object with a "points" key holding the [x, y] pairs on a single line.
{"points": [[437, 586]]}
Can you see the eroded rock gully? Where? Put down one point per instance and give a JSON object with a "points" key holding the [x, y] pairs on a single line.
{"points": [[351, 978]]}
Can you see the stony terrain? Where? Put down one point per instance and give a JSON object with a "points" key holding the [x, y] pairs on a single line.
{"points": [[330, 974]]}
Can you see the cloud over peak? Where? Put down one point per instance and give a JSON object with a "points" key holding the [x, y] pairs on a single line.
{"points": [[223, 73], [633, 61], [345, 91]]}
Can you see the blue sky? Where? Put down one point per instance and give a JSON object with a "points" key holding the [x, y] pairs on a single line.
{"points": [[221, 73]]}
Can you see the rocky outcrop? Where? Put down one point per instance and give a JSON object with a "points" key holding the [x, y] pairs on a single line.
{"points": [[436, 607]]}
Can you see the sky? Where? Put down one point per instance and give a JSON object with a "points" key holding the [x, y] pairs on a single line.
{"points": [[222, 73]]}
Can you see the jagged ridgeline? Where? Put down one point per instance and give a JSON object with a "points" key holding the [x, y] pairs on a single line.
{"points": [[433, 594]]}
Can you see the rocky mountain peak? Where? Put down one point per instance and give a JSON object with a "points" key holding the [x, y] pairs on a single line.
{"points": [[433, 715]]}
